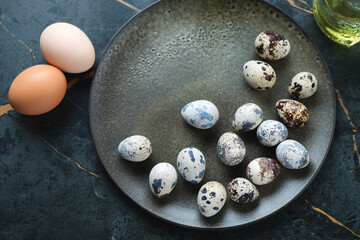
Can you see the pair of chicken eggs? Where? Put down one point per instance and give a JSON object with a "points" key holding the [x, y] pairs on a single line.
{"points": [[40, 88]]}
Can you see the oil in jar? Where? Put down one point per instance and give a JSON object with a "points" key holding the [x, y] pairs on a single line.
{"points": [[339, 20]]}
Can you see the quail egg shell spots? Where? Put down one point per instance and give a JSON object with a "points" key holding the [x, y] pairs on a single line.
{"points": [[272, 45], [247, 117], [162, 179], [211, 198], [271, 133], [200, 114], [293, 155], [292, 113], [136, 148], [191, 164], [259, 75], [303, 85], [242, 190], [230, 149], [262, 171]]}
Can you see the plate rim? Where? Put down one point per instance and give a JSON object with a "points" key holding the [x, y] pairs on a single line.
{"points": [[333, 104]]}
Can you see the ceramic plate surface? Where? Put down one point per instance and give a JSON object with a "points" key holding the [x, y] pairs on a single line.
{"points": [[175, 52]]}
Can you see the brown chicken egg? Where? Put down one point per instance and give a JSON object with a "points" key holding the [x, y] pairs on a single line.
{"points": [[37, 90]]}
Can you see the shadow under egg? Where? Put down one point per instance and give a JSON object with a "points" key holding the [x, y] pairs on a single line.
{"points": [[254, 149], [243, 207], [162, 202], [285, 176], [299, 174], [273, 187], [137, 168], [204, 136], [213, 220], [188, 189]]}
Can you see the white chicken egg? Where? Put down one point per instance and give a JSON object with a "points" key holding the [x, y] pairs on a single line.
{"points": [[67, 47]]}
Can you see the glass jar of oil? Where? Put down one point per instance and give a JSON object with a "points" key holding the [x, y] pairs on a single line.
{"points": [[339, 20]]}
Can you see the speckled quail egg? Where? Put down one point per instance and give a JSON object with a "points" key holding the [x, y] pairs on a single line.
{"points": [[272, 45], [230, 149], [136, 148], [303, 85], [200, 114], [247, 117], [261, 171], [271, 133], [162, 179], [242, 190], [191, 164], [211, 198], [293, 155], [292, 113], [259, 75]]}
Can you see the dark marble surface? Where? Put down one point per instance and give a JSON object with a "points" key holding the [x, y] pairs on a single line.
{"points": [[53, 185]]}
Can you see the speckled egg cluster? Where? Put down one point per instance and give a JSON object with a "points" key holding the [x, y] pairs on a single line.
{"points": [[271, 45], [230, 148]]}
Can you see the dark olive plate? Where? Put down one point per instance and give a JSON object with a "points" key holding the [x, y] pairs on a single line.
{"points": [[176, 52]]}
